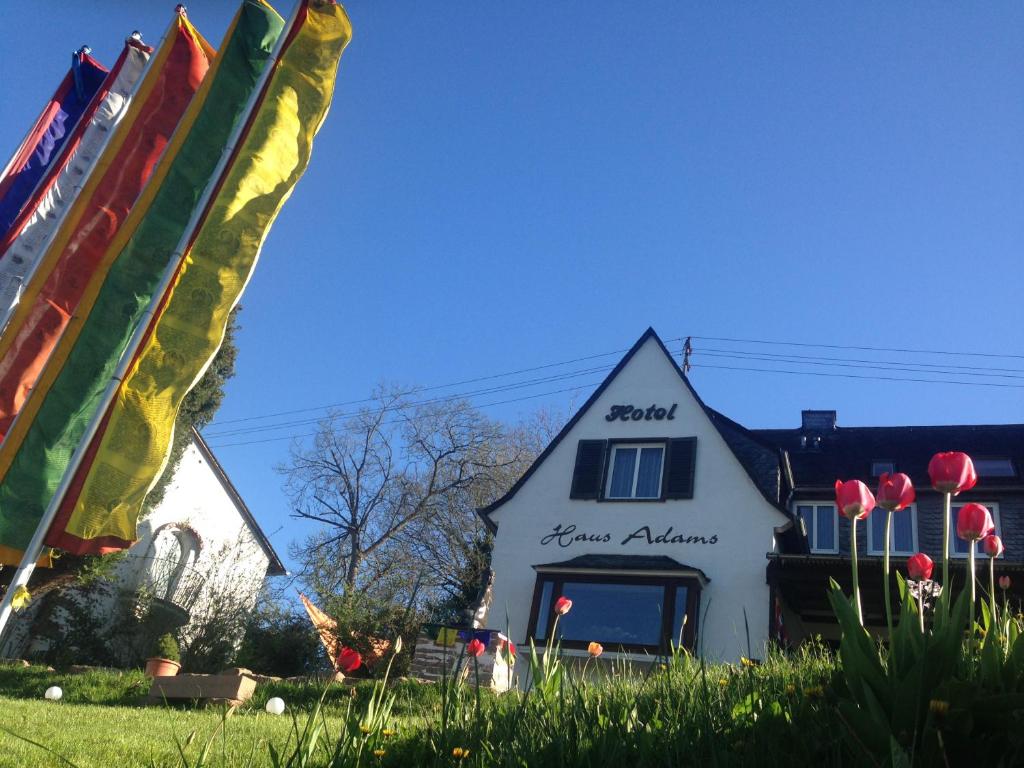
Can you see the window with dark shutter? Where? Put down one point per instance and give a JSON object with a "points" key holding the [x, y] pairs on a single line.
{"points": [[586, 477], [679, 466]]}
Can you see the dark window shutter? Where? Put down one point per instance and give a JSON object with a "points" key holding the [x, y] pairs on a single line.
{"points": [[679, 465], [586, 477]]}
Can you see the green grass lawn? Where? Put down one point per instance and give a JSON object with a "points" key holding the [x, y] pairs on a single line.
{"points": [[91, 735], [678, 713]]}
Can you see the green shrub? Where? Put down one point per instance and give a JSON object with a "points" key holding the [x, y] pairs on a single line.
{"points": [[166, 647]]}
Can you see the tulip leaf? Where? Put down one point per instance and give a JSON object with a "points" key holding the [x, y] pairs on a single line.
{"points": [[897, 755]]}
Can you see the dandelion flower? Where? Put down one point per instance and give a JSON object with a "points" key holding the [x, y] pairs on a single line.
{"points": [[378, 753], [938, 707], [20, 598], [364, 728]]}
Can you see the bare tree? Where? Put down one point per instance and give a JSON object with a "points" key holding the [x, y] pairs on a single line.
{"points": [[393, 488]]}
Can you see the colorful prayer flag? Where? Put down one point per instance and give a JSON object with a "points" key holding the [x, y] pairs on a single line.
{"points": [[44, 143], [130, 450], [82, 251], [27, 239], [38, 448]]}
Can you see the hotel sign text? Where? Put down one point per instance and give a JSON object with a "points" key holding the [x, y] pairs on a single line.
{"points": [[567, 535], [632, 413]]}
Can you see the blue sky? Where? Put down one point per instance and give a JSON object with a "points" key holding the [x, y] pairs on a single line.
{"points": [[500, 186]]}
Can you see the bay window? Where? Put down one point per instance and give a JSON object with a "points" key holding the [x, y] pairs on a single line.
{"points": [[622, 612]]}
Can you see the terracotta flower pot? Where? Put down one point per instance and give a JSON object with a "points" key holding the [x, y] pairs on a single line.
{"points": [[157, 667]]}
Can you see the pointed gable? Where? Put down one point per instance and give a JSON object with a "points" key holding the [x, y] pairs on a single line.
{"points": [[761, 461]]}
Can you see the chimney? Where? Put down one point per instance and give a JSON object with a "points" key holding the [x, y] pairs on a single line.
{"points": [[818, 422]]}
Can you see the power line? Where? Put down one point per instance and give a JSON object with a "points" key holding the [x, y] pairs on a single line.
{"points": [[396, 421], [429, 401], [833, 364], [788, 355], [857, 376], [433, 387], [863, 348]]}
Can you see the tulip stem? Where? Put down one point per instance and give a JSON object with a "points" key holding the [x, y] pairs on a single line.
{"points": [[920, 604], [992, 589], [853, 560], [945, 554], [885, 572], [970, 558]]}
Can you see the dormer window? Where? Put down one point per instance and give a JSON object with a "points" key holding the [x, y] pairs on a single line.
{"points": [[994, 468], [635, 471]]}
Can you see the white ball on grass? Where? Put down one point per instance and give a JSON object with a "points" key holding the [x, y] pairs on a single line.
{"points": [[275, 706], [53, 693]]}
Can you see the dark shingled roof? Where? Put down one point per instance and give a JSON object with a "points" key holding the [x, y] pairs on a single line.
{"points": [[624, 563], [848, 452]]}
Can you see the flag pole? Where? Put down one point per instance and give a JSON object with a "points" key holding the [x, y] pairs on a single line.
{"points": [[35, 546], [135, 37]]}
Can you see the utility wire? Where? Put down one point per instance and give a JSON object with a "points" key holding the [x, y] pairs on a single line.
{"points": [[397, 421], [947, 352], [834, 364], [436, 386], [429, 401], [788, 355], [788, 358], [857, 376]]}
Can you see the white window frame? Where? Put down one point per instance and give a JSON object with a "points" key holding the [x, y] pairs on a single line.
{"points": [[636, 471], [814, 534], [880, 549], [993, 508]]}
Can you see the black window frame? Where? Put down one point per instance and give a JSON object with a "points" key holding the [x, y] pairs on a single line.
{"points": [[669, 469], [670, 582]]}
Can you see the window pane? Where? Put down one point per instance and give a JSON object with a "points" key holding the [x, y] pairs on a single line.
{"points": [[994, 468], [959, 545], [613, 613], [622, 473], [807, 515], [544, 612], [648, 480], [903, 531], [826, 525], [877, 522], [680, 614]]}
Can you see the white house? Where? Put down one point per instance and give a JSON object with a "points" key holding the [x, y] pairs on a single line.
{"points": [[652, 513], [199, 549]]}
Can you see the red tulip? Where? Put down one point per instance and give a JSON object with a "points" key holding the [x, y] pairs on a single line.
{"points": [[895, 491], [349, 660], [474, 647], [563, 605], [919, 567], [973, 522], [504, 642], [952, 472], [1004, 583], [854, 499], [992, 545]]}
